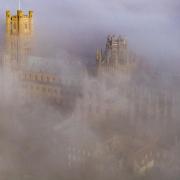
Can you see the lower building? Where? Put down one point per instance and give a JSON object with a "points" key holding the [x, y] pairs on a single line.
{"points": [[37, 78]]}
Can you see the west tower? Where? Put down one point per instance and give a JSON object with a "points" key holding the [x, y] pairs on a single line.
{"points": [[32, 73], [19, 24], [19, 29]]}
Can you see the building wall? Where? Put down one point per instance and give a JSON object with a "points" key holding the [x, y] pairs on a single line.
{"points": [[41, 84]]}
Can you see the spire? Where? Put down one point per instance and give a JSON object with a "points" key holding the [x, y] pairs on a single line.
{"points": [[19, 4]]}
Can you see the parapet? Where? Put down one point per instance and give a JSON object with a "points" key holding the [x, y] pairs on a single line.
{"points": [[19, 14], [116, 41], [20, 23]]}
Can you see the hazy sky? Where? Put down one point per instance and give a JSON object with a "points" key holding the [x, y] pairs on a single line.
{"points": [[32, 137], [81, 26]]}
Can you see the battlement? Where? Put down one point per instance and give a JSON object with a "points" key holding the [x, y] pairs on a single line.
{"points": [[116, 51], [115, 42], [19, 24]]}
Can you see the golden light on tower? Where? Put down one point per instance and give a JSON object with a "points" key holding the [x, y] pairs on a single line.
{"points": [[19, 29], [19, 24]]}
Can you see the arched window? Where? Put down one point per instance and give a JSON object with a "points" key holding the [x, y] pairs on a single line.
{"points": [[14, 25], [30, 76], [36, 78], [55, 91], [26, 26]]}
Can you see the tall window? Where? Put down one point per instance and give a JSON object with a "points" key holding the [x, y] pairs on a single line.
{"points": [[14, 26], [26, 26], [36, 78]]}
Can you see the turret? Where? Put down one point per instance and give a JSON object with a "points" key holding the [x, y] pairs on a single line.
{"points": [[8, 21], [31, 14], [30, 21], [20, 17], [98, 56]]}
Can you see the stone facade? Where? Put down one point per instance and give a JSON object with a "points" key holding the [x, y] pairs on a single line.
{"points": [[19, 29], [35, 80]]}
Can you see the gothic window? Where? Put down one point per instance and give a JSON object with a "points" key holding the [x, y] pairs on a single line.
{"points": [[30, 76], [14, 26], [55, 92], [26, 26], [36, 78], [44, 89]]}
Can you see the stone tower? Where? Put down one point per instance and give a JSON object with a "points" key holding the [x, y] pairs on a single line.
{"points": [[35, 76], [19, 29], [19, 24], [115, 55]]}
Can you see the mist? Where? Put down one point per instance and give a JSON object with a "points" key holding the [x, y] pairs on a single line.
{"points": [[81, 26], [101, 121]]}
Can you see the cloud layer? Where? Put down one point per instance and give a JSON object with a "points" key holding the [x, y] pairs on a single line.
{"points": [[80, 26]]}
